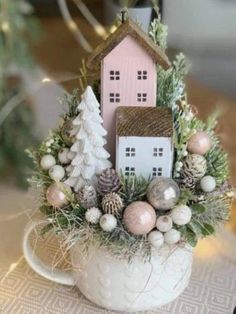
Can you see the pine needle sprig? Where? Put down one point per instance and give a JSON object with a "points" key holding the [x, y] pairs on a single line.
{"points": [[133, 189]]}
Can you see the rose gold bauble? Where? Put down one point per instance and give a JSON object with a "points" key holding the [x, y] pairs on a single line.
{"points": [[57, 194], [139, 218], [199, 143]]}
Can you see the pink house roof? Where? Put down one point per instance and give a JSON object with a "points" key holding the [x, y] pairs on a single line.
{"points": [[132, 29]]}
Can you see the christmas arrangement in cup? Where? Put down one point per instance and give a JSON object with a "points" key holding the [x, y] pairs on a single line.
{"points": [[131, 167]]}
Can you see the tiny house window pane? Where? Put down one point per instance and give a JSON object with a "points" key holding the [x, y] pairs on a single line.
{"points": [[114, 75], [142, 75], [130, 152], [129, 171], [156, 172], [141, 97], [158, 152], [114, 97]]}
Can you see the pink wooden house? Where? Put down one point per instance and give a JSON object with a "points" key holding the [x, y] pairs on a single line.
{"points": [[128, 61]]}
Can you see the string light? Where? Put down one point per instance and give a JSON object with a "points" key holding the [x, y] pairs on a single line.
{"points": [[46, 80], [5, 27]]}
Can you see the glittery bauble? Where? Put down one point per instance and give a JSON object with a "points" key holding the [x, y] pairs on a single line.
{"points": [[156, 239], [164, 223], [87, 196], [199, 143], [47, 162], [66, 132], [93, 215], [57, 173], [181, 215], [108, 222], [195, 166], [163, 193], [57, 194], [172, 236], [139, 218], [208, 184]]}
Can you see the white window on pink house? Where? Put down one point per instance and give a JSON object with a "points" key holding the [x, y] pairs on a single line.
{"points": [[141, 97], [129, 171], [158, 152], [114, 97], [142, 75], [156, 172], [114, 75], [130, 151]]}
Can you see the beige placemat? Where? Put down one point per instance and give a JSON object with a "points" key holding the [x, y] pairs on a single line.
{"points": [[212, 289]]}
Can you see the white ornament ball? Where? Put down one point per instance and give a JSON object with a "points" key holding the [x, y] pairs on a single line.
{"points": [[156, 239], [108, 222], [208, 184], [63, 156], [93, 215], [47, 162], [181, 215], [172, 236], [56, 173], [164, 223]]}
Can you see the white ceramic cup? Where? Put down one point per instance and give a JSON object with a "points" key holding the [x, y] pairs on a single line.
{"points": [[116, 284]]}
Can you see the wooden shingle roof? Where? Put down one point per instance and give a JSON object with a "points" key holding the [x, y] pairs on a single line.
{"points": [[135, 31], [144, 121]]}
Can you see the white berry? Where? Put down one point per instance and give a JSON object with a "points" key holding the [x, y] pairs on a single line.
{"points": [[156, 239], [172, 236], [63, 156], [47, 162], [164, 223], [181, 215], [56, 173], [93, 215], [108, 222], [208, 184]]}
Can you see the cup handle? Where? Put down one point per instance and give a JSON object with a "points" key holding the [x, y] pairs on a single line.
{"points": [[59, 276]]}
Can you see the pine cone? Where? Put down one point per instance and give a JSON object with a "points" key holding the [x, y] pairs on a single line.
{"points": [[112, 204], [108, 181], [187, 182], [87, 197], [194, 167]]}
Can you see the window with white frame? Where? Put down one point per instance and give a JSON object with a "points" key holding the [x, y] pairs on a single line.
{"points": [[141, 97], [158, 152], [129, 171], [114, 75], [114, 97], [156, 172], [130, 151], [142, 75]]}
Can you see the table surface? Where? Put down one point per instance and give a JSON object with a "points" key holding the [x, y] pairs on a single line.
{"points": [[213, 283]]}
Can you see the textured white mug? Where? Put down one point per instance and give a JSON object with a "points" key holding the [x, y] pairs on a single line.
{"points": [[116, 284]]}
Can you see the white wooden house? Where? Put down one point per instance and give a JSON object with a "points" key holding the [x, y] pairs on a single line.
{"points": [[144, 144]]}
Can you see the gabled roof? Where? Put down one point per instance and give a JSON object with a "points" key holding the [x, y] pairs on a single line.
{"points": [[132, 29], [144, 121]]}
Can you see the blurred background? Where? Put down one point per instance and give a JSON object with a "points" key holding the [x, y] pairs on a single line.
{"points": [[42, 45]]}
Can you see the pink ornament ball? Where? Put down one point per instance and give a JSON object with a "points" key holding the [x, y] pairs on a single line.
{"points": [[139, 218], [199, 143], [57, 194]]}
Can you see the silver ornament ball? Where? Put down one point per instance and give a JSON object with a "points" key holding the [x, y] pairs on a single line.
{"points": [[66, 132], [163, 193], [93, 215]]}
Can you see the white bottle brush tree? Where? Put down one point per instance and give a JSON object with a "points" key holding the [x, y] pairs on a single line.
{"points": [[90, 157]]}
